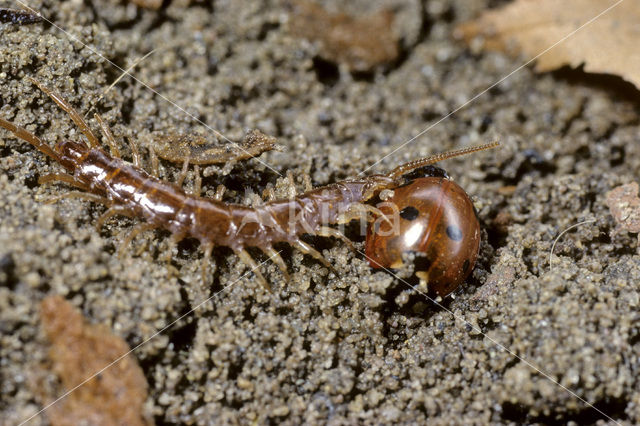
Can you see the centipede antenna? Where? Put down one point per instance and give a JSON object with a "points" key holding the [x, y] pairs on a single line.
{"points": [[106, 131], [66, 106], [117, 80], [407, 167], [26, 136]]}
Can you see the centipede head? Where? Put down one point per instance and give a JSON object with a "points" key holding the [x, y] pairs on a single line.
{"points": [[70, 153]]}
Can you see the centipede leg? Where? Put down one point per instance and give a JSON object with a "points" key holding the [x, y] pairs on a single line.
{"points": [[111, 141], [269, 194], [246, 258], [356, 211], [173, 241], [377, 212], [206, 249], [142, 227], [62, 177], [292, 185], [220, 190], [112, 211], [197, 184], [307, 182], [135, 154], [155, 166], [307, 249], [277, 259], [66, 106], [183, 172], [326, 231], [77, 194]]}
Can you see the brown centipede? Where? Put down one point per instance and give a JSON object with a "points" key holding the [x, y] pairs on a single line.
{"points": [[127, 189]]}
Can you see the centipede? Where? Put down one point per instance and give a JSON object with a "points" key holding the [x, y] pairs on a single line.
{"points": [[127, 189]]}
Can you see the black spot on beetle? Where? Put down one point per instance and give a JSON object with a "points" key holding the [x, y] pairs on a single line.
{"points": [[426, 171], [454, 233], [409, 213], [465, 266]]}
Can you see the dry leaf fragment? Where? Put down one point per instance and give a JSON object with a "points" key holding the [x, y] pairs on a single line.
{"points": [[609, 44], [78, 350], [624, 205], [360, 43]]}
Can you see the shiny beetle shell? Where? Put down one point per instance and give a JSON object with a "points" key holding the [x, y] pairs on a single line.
{"points": [[436, 221]]}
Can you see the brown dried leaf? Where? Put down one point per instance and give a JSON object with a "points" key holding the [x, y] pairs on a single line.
{"points": [[78, 350], [609, 44], [360, 43], [624, 204]]}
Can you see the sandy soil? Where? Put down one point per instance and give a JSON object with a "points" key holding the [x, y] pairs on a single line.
{"points": [[359, 346]]}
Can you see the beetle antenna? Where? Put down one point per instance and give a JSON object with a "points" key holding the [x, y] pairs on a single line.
{"points": [[412, 165]]}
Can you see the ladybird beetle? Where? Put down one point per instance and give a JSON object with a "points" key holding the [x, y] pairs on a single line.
{"points": [[436, 222]]}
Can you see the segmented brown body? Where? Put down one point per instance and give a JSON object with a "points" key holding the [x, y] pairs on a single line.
{"points": [[165, 205], [129, 190]]}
